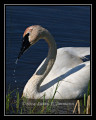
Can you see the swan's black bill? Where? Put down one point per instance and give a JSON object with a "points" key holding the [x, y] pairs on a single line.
{"points": [[25, 45]]}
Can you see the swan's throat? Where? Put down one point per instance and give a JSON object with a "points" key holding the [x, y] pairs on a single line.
{"points": [[32, 87]]}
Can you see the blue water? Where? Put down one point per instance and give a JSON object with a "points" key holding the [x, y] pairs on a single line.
{"points": [[70, 26]]}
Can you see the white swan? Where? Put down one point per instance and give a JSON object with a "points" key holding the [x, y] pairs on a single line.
{"points": [[67, 67]]}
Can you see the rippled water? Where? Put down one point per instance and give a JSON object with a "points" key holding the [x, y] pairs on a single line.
{"points": [[70, 26]]}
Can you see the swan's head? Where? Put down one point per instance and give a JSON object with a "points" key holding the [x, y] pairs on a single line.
{"points": [[31, 35]]}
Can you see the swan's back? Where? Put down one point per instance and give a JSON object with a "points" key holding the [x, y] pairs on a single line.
{"points": [[67, 58], [76, 51]]}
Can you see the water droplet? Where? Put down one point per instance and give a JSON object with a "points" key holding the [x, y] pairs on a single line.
{"points": [[16, 61], [13, 74], [15, 81]]}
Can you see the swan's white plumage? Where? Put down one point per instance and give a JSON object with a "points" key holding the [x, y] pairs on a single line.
{"points": [[68, 58], [72, 73]]}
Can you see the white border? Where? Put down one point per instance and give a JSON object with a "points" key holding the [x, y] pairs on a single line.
{"points": [[4, 62], [48, 4], [91, 55]]}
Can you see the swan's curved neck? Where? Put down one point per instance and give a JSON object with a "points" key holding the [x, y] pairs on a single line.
{"points": [[32, 87]]}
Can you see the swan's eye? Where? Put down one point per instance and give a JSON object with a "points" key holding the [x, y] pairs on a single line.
{"points": [[25, 39], [26, 42]]}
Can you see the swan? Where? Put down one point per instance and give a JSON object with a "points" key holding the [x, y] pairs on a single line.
{"points": [[62, 71]]}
